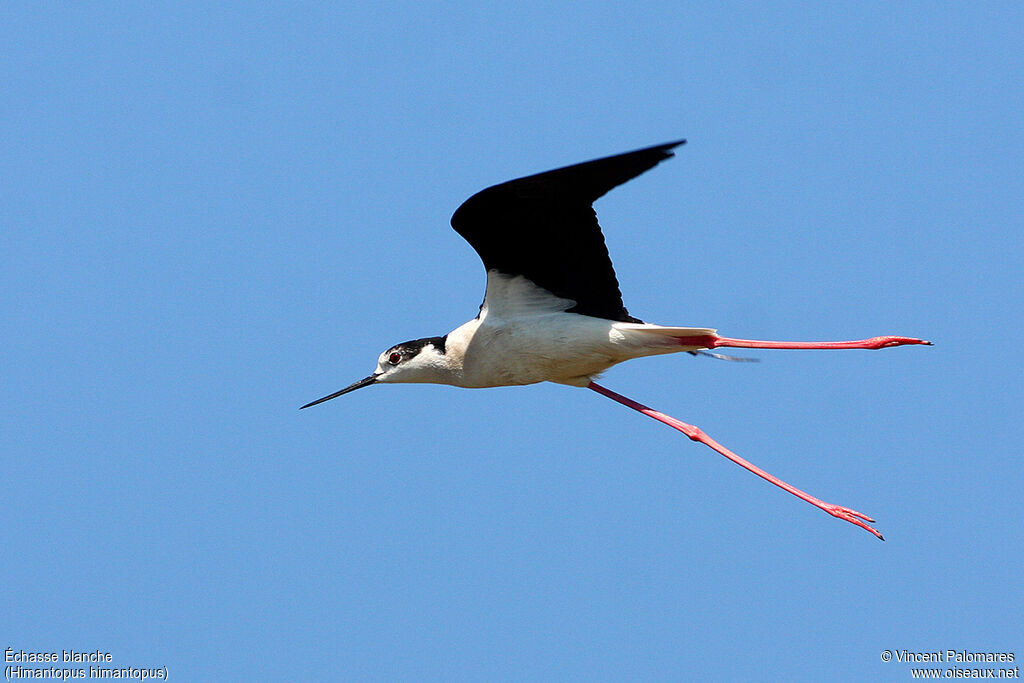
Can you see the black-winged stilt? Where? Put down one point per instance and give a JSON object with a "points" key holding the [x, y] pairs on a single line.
{"points": [[552, 311]]}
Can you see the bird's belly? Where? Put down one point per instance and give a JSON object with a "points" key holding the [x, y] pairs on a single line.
{"points": [[514, 354]]}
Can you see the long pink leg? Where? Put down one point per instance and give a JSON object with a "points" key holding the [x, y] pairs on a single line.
{"points": [[696, 434], [713, 341]]}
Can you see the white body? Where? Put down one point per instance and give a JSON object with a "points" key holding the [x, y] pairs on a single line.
{"points": [[524, 335], [558, 347]]}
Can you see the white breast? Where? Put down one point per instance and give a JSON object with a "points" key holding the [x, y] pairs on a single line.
{"points": [[523, 335]]}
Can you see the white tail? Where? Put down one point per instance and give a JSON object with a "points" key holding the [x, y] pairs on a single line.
{"points": [[646, 334]]}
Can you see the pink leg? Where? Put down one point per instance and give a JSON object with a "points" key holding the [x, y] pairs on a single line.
{"points": [[713, 341], [696, 434]]}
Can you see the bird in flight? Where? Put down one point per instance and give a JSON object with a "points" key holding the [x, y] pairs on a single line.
{"points": [[552, 310]]}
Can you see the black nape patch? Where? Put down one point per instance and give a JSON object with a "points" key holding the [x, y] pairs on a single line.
{"points": [[410, 349]]}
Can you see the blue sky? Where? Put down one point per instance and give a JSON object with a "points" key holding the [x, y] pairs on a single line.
{"points": [[214, 213]]}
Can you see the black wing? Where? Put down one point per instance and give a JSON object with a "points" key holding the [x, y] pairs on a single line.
{"points": [[544, 228]]}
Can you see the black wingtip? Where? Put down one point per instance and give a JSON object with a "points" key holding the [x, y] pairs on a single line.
{"points": [[881, 538]]}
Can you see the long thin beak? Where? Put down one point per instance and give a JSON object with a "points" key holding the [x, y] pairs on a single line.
{"points": [[365, 382]]}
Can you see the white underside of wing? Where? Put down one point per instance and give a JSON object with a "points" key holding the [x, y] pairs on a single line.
{"points": [[513, 296]]}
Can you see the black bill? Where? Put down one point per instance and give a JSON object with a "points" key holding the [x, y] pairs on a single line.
{"points": [[365, 382]]}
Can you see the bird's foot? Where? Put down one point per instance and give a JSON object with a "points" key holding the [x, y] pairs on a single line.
{"points": [[887, 341], [851, 516]]}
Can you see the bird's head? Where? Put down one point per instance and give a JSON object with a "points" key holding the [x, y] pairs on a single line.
{"points": [[419, 360]]}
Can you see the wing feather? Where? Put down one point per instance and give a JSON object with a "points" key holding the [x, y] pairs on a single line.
{"points": [[544, 228]]}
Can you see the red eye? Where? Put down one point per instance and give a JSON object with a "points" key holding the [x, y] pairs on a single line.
{"points": [[395, 358]]}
